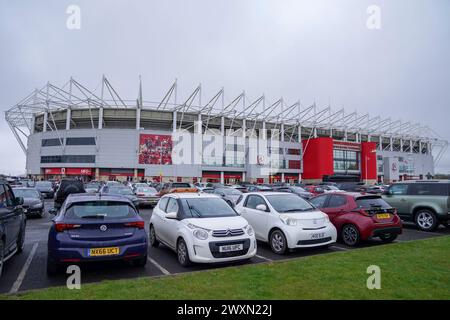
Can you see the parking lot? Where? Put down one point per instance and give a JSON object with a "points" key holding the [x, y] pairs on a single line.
{"points": [[27, 270]]}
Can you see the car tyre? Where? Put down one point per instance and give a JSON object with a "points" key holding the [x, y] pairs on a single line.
{"points": [[2, 257], [388, 237], [278, 242], [183, 253], [141, 262], [21, 239], [52, 267], [426, 220], [152, 236], [350, 235]]}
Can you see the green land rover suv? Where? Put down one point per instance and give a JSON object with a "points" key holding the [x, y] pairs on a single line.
{"points": [[425, 202]]}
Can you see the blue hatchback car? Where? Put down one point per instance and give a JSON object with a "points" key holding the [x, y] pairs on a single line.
{"points": [[97, 227]]}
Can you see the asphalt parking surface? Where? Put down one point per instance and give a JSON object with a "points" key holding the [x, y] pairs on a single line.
{"points": [[27, 270]]}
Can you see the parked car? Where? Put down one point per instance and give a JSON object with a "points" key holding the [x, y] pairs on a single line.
{"points": [[258, 188], [94, 227], [177, 187], [359, 217], [147, 196], [201, 228], [45, 188], [239, 187], [92, 187], [66, 187], [230, 195], [299, 191], [352, 186], [286, 221], [12, 224], [121, 190], [425, 202], [134, 186], [376, 189], [33, 202], [315, 190]]}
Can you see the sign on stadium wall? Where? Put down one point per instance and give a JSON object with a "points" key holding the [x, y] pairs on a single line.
{"points": [[155, 149]]}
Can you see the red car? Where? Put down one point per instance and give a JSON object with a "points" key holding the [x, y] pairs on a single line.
{"points": [[358, 217], [315, 190]]}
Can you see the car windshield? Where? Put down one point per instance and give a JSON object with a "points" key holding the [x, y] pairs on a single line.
{"points": [[288, 203], [229, 191], [45, 184], [122, 191], [209, 207], [26, 193], [298, 189], [100, 210], [146, 190], [371, 202]]}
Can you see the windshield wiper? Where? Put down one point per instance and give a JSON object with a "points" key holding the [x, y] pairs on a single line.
{"points": [[193, 209]]}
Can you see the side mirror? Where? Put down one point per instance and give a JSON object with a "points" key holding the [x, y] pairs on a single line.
{"points": [[52, 211], [18, 201], [261, 207], [172, 215]]}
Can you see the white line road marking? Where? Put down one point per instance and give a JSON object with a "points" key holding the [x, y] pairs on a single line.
{"points": [[23, 272], [264, 258], [339, 248], [156, 264]]}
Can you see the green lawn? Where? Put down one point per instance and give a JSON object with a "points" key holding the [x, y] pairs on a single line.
{"points": [[409, 270]]}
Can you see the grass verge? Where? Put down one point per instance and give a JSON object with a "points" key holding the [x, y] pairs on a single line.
{"points": [[409, 270]]}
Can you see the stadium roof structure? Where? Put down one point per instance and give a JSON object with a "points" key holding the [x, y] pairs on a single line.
{"points": [[73, 95]]}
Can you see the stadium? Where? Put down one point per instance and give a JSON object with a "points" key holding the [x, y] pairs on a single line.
{"points": [[96, 135]]}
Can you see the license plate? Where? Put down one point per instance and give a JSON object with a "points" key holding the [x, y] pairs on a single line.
{"points": [[95, 252], [383, 216], [318, 235], [231, 247]]}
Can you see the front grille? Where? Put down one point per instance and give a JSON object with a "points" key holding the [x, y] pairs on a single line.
{"points": [[313, 241], [314, 228], [214, 247], [227, 233]]}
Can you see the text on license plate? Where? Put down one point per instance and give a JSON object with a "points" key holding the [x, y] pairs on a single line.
{"points": [[231, 247], [95, 252], [319, 235], [383, 216]]}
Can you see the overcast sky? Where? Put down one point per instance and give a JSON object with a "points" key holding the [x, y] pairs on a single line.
{"points": [[319, 51]]}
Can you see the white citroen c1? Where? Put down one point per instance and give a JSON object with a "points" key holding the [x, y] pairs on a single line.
{"points": [[286, 221], [201, 228]]}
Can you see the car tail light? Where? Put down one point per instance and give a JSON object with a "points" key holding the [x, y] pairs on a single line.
{"points": [[60, 227], [136, 224], [362, 212], [141, 194]]}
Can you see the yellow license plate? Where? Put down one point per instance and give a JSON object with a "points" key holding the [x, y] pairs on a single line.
{"points": [[383, 216], [95, 252]]}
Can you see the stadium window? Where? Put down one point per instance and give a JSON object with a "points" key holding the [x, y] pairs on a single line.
{"points": [[84, 141], [51, 142]]}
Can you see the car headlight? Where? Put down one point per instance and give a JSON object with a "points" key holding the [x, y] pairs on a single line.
{"points": [[289, 221], [37, 205], [326, 219], [201, 234], [250, 230]]}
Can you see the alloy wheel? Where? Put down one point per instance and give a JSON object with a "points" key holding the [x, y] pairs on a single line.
{"points": [[350, 235], [425, 220], [278, 242], [182, 252]]}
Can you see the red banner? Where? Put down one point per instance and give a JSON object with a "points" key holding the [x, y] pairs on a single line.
{"points": [[69, 171], [155, 149]]}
